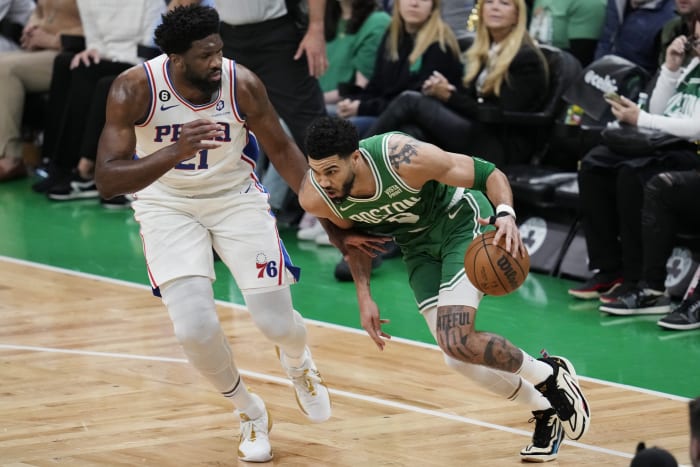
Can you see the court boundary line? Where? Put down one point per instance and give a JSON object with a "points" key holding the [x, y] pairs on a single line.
{"points": [[335, 392], [322, 324]]}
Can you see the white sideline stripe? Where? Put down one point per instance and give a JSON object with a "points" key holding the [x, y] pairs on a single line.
{"points": [[320, 324], [336, 392]]}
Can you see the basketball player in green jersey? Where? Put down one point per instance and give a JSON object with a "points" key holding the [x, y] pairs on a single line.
{"points": [[433, 203]]}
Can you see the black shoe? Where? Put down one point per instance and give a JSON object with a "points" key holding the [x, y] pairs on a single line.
{"points": [[600, 283], [342, 269], [76, 187], [639, 302], [563, 392], [684, 318], [616, 292], [546, 438]]}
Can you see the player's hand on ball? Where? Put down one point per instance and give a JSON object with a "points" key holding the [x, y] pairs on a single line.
{"points": [[369, 317], [506, 226]]}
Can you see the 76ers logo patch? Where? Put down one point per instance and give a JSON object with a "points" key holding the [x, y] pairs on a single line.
{"points": [[265, 267]]}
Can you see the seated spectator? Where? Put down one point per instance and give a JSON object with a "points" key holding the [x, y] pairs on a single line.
{"points": [[632, 29], [681, 25], [571, 25], [669, 207], [29, 70], [653, 457], [14, 15], [505, 70], [611, 184], [417, 43], [354, 30], [114, 29]]}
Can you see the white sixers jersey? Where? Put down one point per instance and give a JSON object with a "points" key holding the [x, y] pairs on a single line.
{"points": [[208, 171]]}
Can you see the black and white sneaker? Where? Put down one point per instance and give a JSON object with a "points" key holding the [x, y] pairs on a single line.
{"points": [[563, 392], [76, 187], [684, 318], [639, 302], [546, 439]]}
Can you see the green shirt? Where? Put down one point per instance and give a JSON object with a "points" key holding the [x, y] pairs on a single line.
{"points": [[555, 22], [395, 208], [348, 53]]}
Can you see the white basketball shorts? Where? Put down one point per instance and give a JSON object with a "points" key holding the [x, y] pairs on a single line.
{"points": [[178, 234]]}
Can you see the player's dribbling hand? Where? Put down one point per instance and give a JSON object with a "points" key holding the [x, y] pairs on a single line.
{"points": [[506, 226], [369, 317], [197, 135]]}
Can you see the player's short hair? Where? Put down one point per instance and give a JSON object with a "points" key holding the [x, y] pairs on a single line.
{"points": [[183, 25], [328, 136]]}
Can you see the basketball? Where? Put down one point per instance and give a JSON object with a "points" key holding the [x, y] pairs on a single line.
{"points": [[491, 268]]}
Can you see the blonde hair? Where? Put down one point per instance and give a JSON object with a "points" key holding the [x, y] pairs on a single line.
{"points": [[477, 55], [433, 30]]}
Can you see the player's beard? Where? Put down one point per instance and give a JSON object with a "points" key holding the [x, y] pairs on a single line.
{"points": [[345, 191], [204, 84]]}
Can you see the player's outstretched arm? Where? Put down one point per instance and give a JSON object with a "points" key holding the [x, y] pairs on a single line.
{"points": [[417, 162], [263, 120], [116, 170]]}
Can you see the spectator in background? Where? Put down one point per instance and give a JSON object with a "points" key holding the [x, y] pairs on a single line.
{"points": [[668, 208], [682, 24], [611, 184], [571, 25], [114, 30], [29, 70], [14, 15], [632, 30], [354, 30], [417, 44], [505, 69]]}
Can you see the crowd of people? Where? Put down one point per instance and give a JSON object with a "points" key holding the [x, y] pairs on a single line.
{"points": [[376, 94]]}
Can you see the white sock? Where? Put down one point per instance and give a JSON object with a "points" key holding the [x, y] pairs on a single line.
{"points": [[528, 396], [533, 370], [243, 401]]}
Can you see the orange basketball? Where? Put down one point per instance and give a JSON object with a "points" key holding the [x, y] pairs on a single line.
{"points": [[491, 268]]}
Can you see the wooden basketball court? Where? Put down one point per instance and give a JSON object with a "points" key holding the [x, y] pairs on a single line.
{"points": [[92, 375]]}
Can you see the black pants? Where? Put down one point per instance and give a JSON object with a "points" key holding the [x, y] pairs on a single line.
{"points": [[670, 206], [611, 188], [428, 119], [268, 49], [77, 104]]}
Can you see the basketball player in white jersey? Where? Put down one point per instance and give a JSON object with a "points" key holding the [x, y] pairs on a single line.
{"points": [[181, 136]]}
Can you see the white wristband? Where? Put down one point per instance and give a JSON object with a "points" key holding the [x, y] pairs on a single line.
{"points": [[507, 209]]}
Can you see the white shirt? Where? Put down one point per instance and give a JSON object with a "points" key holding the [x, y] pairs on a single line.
{"points": [[115, 27], [239, 12]]}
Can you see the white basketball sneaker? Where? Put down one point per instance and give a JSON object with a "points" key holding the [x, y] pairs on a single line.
{"points": [[311, 392], [254, 444]]}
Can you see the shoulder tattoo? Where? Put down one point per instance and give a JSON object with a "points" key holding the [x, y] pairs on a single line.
{"points": [[401, 153]]}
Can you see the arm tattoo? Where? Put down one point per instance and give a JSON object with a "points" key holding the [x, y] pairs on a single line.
{"points": [[403, 155]]}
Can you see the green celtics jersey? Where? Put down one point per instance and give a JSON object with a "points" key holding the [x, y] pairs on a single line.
{"points": [[395, 208]]}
